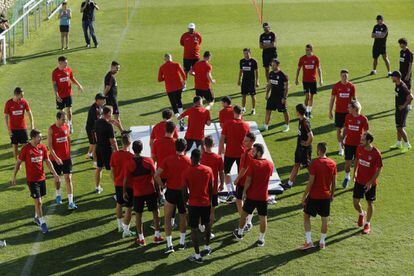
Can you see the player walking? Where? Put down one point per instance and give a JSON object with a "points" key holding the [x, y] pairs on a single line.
{"points": [[380, 34], [94, 113], [226, 113], [158, 131], [111, 90], [267, 42], [203, 79], [191, 41], [406, 62], [248, 79]]}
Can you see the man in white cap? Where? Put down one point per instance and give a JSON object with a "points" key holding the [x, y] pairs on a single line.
{"points": [[191, 41]]}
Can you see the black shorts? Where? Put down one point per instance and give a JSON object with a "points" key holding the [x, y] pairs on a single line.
{"points": [[276, 104], [66, 102], [37, 189], [175, 100], [208, 95], [65, 168], [64, 28], [103, 157], [315, 207], [91, 137], [310, 87], [303, 155], [19, 137], [119, 191], [340, 119], [114, 103], [188, 63], [401, 117], [248, 87], [176, 197], [350, 152], [228, 163], [214, 200], [197, 214], [261, 206], [150, 200], [239, 192], [359, 192], [268, 57], [190, 143], [378, 50]]}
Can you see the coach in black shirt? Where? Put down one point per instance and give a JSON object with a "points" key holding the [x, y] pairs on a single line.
{"points": [[267, 42], [406, 62], [88, 8], [380, 34], [111, 88], [94, 113]]}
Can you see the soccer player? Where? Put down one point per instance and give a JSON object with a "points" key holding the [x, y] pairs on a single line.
{"points": [[198, 179], [267, 42], [118, 162], [303, 152], [105, 144], [310, 65], [165, 146], [232, 135], [139, 174], [191, 41], [173, 168], [248, 79], [355, 126], [203, 79], [33, 154], [366, 172], [403, 98], [94, 113], [277, 87], [158, 131], [111, 90], [406, 62], [255, 193], [380, 34], [62, 78], [343, 92], [318, 195], [226, 113], [215, 162], [58, 141], [198, 117], [14, 116]]}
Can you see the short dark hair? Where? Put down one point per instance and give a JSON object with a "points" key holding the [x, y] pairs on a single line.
{"points": [[195, 156], [114, 63], [226, 99], [207, 54], [369, 136], [237, 109], [246, 50], [60, 114], [126, 138], [322, 147], [301, 109], [379, 17], [167, 114], [344, 71], [169, 127], [275, 60], [62, 58], [34, 133], [18, 91], [196, 99], [251, 136], [107, 109], [403, 41], [137, 146], [180, 145], [309, 46], [209, 141], [259, 148]]}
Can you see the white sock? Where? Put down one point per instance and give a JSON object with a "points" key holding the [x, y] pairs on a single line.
{"points": [[307, 109], [58, 192], [362, 213], [348, 175], [310, 108], [290, 183], [249, 219], [125, 227], [323, 237], [177, 115], [182, 238], [172, 221], [70, 198], [169, 241], [141, 236], [70, 122], [240, 231], [308, 237], [398, 142], [407, 144], [197, 256], [180, 110], [340, 146], [253, 109], [261, 236], [41, 220], [119, 221], [229, 187], [157, 234], [206, 247]]}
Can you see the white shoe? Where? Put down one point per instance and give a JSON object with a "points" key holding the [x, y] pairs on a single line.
{"points": [[202, 228], [341, 152], [184, 87], [99, 190], [212, 236]]}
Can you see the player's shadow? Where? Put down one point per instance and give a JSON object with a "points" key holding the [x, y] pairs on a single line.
{"points": [[48, 53]]}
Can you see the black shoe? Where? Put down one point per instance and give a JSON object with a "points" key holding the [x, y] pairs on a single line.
{"points": [[182, 125], [170, 249], [236, 235], [285, 186], [193, 258], [88, 45], [260, 243], [182, 246], [206, 252]]}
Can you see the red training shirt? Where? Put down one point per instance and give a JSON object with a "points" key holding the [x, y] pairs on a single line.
{"points": [[235, 131], [215, 163], [140, 173], [309, 66], [260, 170], [60, 142], [245, 160], [118, 162], [191, 44], [324, 170], [343, 93], [173, 74], [163, 148], [226, 114], [63, 80], [33, 158], [354, 128], [173, 168], [369, 162], [198, 117], [198, 180], [201, 70], [158, 131], [16, 110]]}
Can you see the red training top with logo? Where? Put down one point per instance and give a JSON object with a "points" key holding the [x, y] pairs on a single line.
{"points": [[309, 66], [33, 158], [215, 163], [201, 70], [140, 173], [260, 171], [198, 117], [368, 163], [16, 110], [235, 131], [118, 162], [173, 74], [163, 148], [226, 114], [158, 131], [173, 168], [324, 170], [198, 180], [245, 160], [343, 93], [63, 80], [191, 44], [60, 142], [354, 128]]}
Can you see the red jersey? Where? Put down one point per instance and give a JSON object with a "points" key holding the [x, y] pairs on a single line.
{"points": [[343, 93], [173, 168], [226, 114], [201, 70], [198, 180], [245, 160], [63, 80], [354, 128], [158, 131], [118, 162], [260, 170], [309, 66], [163, 148], [198, 117], [173, 74], [60, 142], [368, 163], [191, 44], [33, 158], [16, 110], [324, 170], [140, 173], [215, 163], [235, 131]]}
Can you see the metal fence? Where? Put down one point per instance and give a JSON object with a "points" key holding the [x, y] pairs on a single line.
{"points": [[33, 14]]}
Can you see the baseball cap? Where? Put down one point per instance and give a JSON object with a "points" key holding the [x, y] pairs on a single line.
{"points": [[396, 74], [379, 17], [191, 26], [266, 25], [100, 96]]}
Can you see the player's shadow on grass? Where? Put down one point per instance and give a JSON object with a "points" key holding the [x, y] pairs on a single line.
{"points": [[52, 52]]}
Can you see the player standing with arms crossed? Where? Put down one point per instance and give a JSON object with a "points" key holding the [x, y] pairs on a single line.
{"points": [[380, 34], [267, 42], [248, 79], [191, 41]]}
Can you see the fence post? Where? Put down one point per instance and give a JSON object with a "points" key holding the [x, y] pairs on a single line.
{"points": [[3, 45]]}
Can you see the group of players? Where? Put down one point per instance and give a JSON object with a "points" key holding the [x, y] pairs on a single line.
{"points": [[191, 185]]}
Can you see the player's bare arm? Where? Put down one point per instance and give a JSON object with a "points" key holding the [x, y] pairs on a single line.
{"points": [[307, 189]]}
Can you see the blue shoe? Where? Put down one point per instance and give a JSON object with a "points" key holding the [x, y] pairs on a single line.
{"points": [[345, 183], [37, 221], [72, 206], [58, 200], [44, 228]]}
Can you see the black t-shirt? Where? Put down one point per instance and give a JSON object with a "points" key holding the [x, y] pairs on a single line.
{"points": [[104, 131], [401, 93], [277, 81], [303, 130], [380, 29], [94, 113], [248, 66], [406, 57], [110, 80], [89, 11], [267, 38]]}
